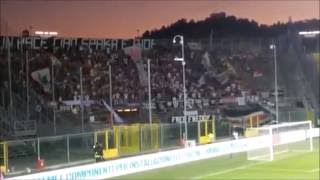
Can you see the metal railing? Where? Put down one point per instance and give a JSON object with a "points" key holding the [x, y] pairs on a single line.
{"points": [[298, 115], [124, 140], [25, 128]]}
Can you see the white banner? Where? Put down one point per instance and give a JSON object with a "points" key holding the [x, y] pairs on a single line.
{"points": [[36, 42], [190, 118]]}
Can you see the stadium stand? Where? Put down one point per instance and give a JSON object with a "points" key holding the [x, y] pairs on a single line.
{"points": [[217, 76]]}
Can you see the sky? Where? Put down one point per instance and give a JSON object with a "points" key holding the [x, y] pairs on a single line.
{"points": [[128, 18]]}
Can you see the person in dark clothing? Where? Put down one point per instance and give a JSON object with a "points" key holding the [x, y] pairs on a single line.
{"points": [[98, 152]]}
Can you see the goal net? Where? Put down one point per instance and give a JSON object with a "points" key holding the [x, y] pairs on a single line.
{"points": [[281, 138]]}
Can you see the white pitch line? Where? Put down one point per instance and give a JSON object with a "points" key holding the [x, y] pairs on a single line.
{"points": [[237, 168], [264, 178], [245, 166], [284, 170], [253, 164], [314, 170], [226, 171]]}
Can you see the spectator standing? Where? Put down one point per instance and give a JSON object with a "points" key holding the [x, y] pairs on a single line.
{"points": [[98, 152]]}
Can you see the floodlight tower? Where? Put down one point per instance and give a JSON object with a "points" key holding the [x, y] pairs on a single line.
{"points": [[181, 42], [274, 48]]}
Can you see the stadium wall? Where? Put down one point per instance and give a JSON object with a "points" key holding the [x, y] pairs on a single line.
{"points": [[108, 169]]}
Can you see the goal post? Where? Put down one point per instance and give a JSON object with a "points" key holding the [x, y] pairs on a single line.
{"points": [[281, 138]]}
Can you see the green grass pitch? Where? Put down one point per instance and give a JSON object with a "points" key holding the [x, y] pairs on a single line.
{"points": [[290, 165]]}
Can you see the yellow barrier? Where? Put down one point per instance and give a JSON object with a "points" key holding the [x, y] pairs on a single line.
{"points": [[155, 138], [150, 137], [112, 143], [206, 131], [109, 141], [129, 136], [310, 115], [128, 139], [251, 132], [4, 157], [254, 121]]}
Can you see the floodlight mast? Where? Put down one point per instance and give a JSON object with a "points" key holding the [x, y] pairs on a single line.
{"points": [[274, 48], [181, 42]]}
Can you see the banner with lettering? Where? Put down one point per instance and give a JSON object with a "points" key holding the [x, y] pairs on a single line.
{"points": [[37, 42]]}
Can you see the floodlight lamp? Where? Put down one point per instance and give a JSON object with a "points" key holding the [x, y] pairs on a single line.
{"points": [[178, 59], [181, 39], [272, 46]]}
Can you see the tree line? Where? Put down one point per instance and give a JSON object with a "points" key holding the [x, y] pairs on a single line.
{"points": [[221, 25]]}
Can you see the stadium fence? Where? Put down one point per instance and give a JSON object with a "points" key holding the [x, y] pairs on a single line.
{"points": [[21, 156]]}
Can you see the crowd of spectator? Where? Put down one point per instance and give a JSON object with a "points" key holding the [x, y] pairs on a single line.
{"points": [[209, 75], [95, 72], [201, 81]]}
